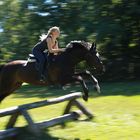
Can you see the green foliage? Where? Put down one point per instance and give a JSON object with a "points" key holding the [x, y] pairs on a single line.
{"points": [[113, 24]]}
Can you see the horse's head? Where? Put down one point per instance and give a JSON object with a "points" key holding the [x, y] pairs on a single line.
{"points": [[85, 51], [93, 59]]}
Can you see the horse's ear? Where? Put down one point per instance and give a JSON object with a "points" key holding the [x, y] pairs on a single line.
{"points": [[93, 46]]}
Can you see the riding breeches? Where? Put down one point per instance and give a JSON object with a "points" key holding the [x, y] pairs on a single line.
{"points": [[41, 60]]}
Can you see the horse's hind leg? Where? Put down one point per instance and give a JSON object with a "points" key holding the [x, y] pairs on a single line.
{"points": [[4, 92], [2, 97]]}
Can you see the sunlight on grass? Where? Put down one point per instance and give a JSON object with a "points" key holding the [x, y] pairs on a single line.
{"points": [[117, 113]]}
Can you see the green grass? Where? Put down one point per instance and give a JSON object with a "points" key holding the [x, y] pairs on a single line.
{"points": [[116, 110]]}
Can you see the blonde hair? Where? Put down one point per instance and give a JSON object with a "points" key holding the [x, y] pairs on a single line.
{"points": [[52, 29]]}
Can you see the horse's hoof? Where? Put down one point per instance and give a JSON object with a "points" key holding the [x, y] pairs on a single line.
{"points": [[85, 98]]}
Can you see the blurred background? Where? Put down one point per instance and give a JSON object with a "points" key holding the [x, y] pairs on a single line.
{"points": [[115, 27], [113, 24]]}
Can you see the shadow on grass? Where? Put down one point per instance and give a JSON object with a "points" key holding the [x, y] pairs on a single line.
{"points": [[121, 88], [107, 89], [28, 91], [25, 135]]}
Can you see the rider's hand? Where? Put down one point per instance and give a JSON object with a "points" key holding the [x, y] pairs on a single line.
{"points": [[63, 49]]}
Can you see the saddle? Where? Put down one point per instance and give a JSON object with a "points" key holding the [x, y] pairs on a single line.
{"points": [[31, 58], [49, 59]]}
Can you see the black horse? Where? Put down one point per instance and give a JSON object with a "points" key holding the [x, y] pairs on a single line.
{"points": [[61, 69]]}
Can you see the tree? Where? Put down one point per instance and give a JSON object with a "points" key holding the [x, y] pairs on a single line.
{"points": [[113, 24]]}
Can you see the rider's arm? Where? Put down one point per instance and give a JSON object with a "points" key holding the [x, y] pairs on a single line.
{"points": [[56, 45], [50, 49]]}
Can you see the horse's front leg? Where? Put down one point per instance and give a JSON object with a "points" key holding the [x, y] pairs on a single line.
{"points": [[94, 80], [84, 86], [76, 78]]}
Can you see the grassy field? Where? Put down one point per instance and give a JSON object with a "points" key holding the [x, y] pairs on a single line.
{"points": [[116, 110]]}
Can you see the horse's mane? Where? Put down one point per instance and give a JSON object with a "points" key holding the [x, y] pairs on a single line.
{"points": [[78, 43]]}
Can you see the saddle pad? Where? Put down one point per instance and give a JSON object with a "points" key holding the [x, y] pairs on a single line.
{"points": [[31, 58]]}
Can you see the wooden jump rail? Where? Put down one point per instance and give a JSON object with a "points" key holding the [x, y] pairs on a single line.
{"points": [[36, 127]]}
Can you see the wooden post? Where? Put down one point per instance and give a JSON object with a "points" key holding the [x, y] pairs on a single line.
{"points": [[31, 125], [78, 104], [68, 107], [12, 121], [83, 109], [58, 120], [16, 109], [51, 101], [9, 111], [36, 127]]}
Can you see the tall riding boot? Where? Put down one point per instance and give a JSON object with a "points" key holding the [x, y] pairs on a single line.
{"points": [[45, 73], [41, 74]]}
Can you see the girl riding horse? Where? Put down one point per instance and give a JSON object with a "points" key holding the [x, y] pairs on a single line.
{"points": [[47, 42], [14, 73]]}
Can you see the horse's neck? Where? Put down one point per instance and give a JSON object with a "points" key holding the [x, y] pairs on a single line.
{"points": [[76, 55]]}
